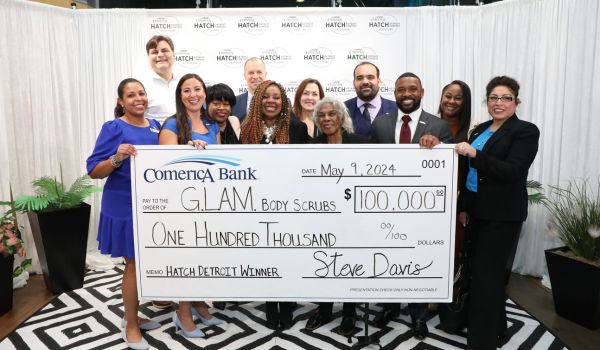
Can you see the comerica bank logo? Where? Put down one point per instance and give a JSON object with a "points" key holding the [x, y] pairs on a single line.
{"points": [[297, 24], [275, 57], [255, 25], [232, 58], [362, 54], [340, 24], [319, 57], [384, 24], [203, 174], [189, 58], [165, 25], [210, 25]]}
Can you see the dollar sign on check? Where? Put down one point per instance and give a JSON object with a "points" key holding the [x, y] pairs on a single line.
{"points": [[347, 195]]}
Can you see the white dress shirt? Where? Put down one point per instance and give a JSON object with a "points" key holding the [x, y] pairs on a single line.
{"points": [[161, 95]]}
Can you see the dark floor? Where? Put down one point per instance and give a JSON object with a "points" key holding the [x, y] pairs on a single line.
{"points": [[526, 291], [537, 300]]}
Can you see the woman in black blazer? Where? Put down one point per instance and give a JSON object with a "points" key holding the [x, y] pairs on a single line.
{"points": [[492, 204], [335, 126], [269, 122]]}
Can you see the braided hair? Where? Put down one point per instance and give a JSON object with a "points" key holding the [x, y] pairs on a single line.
{"points": [[252, 127]]}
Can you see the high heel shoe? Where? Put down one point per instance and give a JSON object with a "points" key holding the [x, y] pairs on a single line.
{"points": [[146, 326], [141, 345], [196, 333], [209, 322]]}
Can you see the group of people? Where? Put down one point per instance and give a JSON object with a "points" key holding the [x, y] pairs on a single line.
{"points": [[494, 161]]}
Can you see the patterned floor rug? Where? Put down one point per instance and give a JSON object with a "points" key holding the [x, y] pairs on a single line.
{"points": [[89, 318]]}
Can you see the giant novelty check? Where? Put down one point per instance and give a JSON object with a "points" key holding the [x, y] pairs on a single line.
{"points": [[300, 222]]}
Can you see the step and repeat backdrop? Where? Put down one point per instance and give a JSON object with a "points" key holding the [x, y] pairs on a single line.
{"points": [[324, 44]]}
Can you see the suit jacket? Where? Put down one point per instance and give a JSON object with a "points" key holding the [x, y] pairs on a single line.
{"points": [[502, 166], [298, 132], [239, 110], [346, 138], [362, 126], [384, 128]]}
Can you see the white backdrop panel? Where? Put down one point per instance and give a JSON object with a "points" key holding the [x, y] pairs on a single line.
{"points": [[61, 69]]}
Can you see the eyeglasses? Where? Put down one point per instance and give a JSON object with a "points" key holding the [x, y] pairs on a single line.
{"points": [[504, 99]]}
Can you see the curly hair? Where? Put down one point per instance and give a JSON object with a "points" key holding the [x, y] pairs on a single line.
{"points": [[340, 108], [252, 127]]}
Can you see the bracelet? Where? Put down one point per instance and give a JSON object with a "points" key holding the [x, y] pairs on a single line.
{"points": [[114, 162]]}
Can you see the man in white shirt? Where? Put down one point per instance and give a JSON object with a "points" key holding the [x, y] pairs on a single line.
{"points": [[161, 83], [408, 123], [255, 72]]}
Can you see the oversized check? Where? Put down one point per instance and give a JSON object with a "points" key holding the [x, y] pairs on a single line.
{"points": [[295, 222]]}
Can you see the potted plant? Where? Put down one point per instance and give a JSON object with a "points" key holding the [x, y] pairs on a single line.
{"points": [[575, 269], [10, 244], [59, 222]]}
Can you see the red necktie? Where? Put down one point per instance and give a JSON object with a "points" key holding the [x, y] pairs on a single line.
{"points": [[405, 130]]}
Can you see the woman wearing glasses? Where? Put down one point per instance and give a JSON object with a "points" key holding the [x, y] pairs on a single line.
{"points": [[493, 205]]}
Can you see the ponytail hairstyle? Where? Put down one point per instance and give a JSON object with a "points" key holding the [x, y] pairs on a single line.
{"points": [[119, 111], [184, 133], [252, 126]]}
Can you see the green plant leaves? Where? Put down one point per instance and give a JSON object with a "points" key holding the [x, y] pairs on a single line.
{"points": [[51, 194]]}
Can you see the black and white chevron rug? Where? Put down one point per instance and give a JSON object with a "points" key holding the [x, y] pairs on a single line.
{"points": [[89, 318]]}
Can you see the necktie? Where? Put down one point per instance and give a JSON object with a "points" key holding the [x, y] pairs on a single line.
{"points": [[405, 130], [366, 113]]}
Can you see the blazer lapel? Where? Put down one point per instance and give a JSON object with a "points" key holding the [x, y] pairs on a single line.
{"points": [[390, 125], [506, 127], [421, 126]]}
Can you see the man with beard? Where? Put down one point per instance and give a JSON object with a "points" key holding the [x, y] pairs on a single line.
{"points": [[368, 103], [414, 126], [255, 72]]}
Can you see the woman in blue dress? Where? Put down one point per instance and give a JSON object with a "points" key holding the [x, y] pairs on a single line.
{"points": [[110, 158], [190, 125]]}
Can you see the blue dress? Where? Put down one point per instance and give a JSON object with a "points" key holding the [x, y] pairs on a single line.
{"points": [[115, 231], [210, 137]]}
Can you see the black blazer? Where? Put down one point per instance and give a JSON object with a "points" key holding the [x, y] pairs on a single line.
{"points": [[298, 132], [502, 166], [346, 138]]}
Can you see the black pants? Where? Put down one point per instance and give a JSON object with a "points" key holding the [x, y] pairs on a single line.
{"points": [[349, 309], [417, 311], [279, 312], [492, 242]]}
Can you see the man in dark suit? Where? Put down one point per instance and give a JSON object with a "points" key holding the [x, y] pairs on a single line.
{"points": [[413, 125], [368, 103], [255, 72]]}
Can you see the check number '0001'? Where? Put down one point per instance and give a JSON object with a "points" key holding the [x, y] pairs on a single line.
{"points": [[396, 199]]}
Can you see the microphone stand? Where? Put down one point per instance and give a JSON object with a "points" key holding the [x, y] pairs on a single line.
{"points": [[366, 340]]}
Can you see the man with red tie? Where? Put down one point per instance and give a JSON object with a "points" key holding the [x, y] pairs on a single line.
{"points": [[408, 124]]}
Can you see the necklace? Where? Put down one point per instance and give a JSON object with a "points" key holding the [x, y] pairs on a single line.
{"points": [[269, 133]]}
